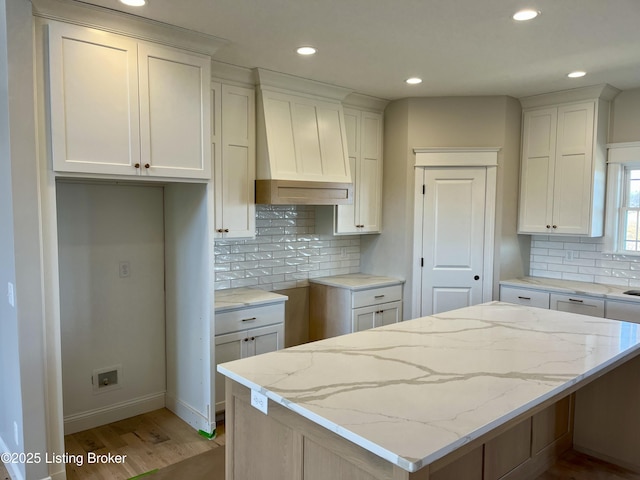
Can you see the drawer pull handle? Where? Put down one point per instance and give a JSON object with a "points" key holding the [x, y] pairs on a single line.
{"points": [[576, 300], [524, 298], [249, 319], [379, 296]]}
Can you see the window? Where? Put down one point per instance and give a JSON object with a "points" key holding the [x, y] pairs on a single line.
{"points": [[630, 211]]}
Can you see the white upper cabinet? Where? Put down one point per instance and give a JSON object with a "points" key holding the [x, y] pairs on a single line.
{"points": [[124, 107], [563, 165], [235, 161], [364, 140]]}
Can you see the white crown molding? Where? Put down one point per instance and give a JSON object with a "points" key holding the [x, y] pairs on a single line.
{"points": [[604, 91], [233, 74], [456, 156], [281, 82], [101, 18], [366, 102]]}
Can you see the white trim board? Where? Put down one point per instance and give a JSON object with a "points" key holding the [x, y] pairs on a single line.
{"points": [[456, 157]]}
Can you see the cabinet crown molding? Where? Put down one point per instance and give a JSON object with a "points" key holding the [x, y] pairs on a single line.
{"points": [[604, 91], [121, 23], [283, 83]]}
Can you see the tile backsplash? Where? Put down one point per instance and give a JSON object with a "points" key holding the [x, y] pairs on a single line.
{"points": [[285, 253], [582, 259]]}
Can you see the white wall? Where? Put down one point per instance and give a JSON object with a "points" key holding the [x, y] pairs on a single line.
{"points": [[108, 319], [446, 122], [22, 377]]}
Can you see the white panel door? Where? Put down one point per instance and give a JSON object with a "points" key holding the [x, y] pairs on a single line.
{"points": [[363, 318], [346, 215], [368, 195], [453, 238], [93, 78], [389, 313], [174, 112], [265, 339]]}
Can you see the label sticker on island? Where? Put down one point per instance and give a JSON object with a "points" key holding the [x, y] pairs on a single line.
{"points": [[259, 401]]}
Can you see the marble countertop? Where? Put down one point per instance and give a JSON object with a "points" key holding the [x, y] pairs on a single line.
{"points": [[233, 298], [414, 391], [357, 281], [568, 286]]}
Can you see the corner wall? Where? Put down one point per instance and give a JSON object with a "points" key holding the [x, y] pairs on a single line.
{"points": [[446, 122], [22, 401]]}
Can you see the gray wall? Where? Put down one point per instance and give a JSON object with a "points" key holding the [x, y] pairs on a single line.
{"points": [[625, 117], [446, 122], [22, 377]]}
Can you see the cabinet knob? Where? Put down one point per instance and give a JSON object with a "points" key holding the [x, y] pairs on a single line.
{"points": [[476, 277], [548, 226], [555, 226], [137, 165], [246, 340], [253, 338], [219, 230], [226, 230], [146, 165]]}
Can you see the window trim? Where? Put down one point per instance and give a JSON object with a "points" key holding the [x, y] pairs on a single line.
{"points": [[620, 157]]}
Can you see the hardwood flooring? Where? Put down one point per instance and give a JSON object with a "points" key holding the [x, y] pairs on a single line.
{"points": [[150, 442], [163, 447]]}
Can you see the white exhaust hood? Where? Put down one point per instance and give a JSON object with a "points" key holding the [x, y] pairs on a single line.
{"points": [[302, 155]]}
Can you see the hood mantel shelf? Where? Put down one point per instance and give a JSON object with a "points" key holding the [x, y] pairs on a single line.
{"points": [[302, 155]]}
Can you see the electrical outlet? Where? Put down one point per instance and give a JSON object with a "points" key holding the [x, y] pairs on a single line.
{"points": [[124, 269]]}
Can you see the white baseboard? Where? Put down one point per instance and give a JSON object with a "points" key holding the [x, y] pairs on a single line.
{"points": [[12, 468], [189, 414], [119, 411]]}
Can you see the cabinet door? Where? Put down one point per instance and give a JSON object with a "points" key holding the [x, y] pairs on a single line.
{"points": [[265, 339], [364, 318], [229, 347], [573, 169], [235, 172], [174, 112], [93, 81], [577, 304], [536, 184], [346, 215], [389, 313], [368, 194]]}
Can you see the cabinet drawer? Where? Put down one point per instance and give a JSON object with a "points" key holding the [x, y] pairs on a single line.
{"points": [[245, 318], [626, 311], [577, 304], [375, 296], [522, 296]]}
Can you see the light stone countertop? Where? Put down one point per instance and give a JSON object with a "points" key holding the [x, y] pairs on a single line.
{"points": [[357, 281], [414, 391], [233, 298], [574, 287]]}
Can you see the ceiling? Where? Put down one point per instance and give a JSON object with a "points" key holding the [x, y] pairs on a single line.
{"points": [[458, 47]]}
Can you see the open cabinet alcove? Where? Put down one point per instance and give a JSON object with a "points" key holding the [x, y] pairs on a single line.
{"points": [[165, 360]]}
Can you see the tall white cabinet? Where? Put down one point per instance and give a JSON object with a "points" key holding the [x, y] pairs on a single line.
{"points": [[563, 162], [121, 106], [234, 148], [364, 141]]}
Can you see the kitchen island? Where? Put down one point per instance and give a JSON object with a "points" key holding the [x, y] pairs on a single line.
{"points": [[482, 392]]}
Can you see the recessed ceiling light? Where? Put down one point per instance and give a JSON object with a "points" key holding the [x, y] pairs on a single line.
{"points": [[306, 50], [413, 80], [524, 15], [134, 3], [576, 74]]}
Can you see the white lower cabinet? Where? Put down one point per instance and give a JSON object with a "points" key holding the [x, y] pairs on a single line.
{"points": [[376, 316], [619, 310], [340, 310], [244, 333], [577, 304], [523, 296]]}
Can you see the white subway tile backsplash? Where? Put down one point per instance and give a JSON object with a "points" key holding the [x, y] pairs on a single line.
{"points": [[550, 259]]}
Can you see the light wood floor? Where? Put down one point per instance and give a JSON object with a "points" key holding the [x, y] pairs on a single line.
{"points": [[576, 466], [150, 441]]}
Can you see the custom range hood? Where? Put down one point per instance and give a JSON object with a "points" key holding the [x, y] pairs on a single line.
{"points": [[302, 156]]}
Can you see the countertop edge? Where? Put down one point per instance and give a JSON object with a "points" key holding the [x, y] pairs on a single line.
{"points": [[260, 303], [539, 284]]}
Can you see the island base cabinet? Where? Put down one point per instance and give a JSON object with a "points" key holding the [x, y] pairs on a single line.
{"points": [[282, 444]]}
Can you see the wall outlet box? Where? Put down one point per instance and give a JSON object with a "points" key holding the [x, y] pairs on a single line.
{"points": [[107, 379]]}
